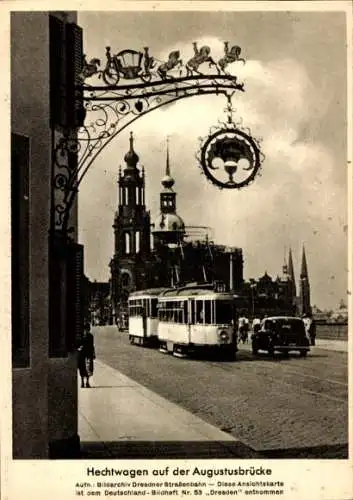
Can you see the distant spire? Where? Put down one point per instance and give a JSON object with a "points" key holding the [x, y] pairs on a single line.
{"points": [[304, 268], [304, 296], [167, 181], [290, 266], [167, 168], [291, 273]]}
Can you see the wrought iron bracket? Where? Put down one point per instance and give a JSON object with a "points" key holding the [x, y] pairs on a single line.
{"points": [[109, 109]]}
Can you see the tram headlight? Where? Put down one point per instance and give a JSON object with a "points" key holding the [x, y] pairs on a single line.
{"points": [[223, 336]]}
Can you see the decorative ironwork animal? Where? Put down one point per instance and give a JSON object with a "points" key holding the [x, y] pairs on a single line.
{"points": [[200, 56], [89, 69], [173, 61], [230, 56]]}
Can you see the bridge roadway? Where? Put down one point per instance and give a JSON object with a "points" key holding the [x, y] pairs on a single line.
{"points": [[272, 405]]}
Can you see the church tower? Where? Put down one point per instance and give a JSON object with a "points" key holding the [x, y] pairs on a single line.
{"points": [[168, 234], [304, 293], [129, 266], [169, 228]]}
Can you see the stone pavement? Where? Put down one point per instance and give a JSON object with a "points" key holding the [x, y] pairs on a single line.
{"points": [[332, 345], [119, 418]]}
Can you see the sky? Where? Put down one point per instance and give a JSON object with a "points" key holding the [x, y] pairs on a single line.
{"points": [[295, 101]]}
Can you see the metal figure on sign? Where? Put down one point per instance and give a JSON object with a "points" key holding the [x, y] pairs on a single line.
{"points": [[230, 56], [90, 68], [173, 61], [127, 64], [200, 56], [132, 64]]}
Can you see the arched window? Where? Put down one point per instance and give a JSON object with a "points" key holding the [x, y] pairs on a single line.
{"points": [[127, 195], [137, 195], [127, 243], [137, 241]]}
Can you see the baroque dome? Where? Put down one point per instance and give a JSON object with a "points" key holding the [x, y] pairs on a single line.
{"points": [[169, 222]]}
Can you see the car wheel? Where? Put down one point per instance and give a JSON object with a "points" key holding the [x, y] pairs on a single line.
{"points": [[255, 348], [302, 354]]}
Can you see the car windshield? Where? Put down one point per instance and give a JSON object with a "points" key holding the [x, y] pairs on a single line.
{"points": [[224, 311], [285, 325]]}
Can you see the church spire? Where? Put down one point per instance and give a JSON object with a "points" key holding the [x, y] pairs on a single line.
{"points": [[291, 272], [167, 168], [304, 268], [304, 299], [167, 181]]}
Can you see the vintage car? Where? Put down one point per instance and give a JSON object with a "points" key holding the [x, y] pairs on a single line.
{"points": [[281, 333]]}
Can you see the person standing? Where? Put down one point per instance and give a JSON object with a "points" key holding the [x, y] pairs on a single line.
{"points": [[308, 325], [312, 331], [86, 356], [243, 328], [256, 325]]}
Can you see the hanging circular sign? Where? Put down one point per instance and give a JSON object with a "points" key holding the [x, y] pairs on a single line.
{"points": [[230, 158]]}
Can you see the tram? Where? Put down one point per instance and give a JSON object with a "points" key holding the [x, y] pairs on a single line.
{"points": [[197, 318], [143, 317]]}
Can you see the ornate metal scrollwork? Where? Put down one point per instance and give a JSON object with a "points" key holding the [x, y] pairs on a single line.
{"points": [[132, 84], [230, 158]]}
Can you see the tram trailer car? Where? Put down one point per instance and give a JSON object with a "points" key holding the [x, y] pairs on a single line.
{"points": [[143, 317], [197, 318]]}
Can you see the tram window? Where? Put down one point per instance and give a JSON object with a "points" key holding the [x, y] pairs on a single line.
{"points": [[192, 312], [185, 312], [154, 303], [207, 312], [224, 312], [199, 311], [179, 316]]}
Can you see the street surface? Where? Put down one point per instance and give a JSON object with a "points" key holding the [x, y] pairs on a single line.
{"points": [[269, 404]]}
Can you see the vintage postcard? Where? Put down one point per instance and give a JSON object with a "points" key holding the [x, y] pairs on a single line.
{"points": [[177, 236]]}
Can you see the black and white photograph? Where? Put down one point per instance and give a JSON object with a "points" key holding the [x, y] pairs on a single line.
{"points": [[177, 273]]}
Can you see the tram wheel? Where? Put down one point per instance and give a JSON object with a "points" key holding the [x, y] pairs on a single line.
{"points": [[231, 355], [303, 354], [178, 351]]}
